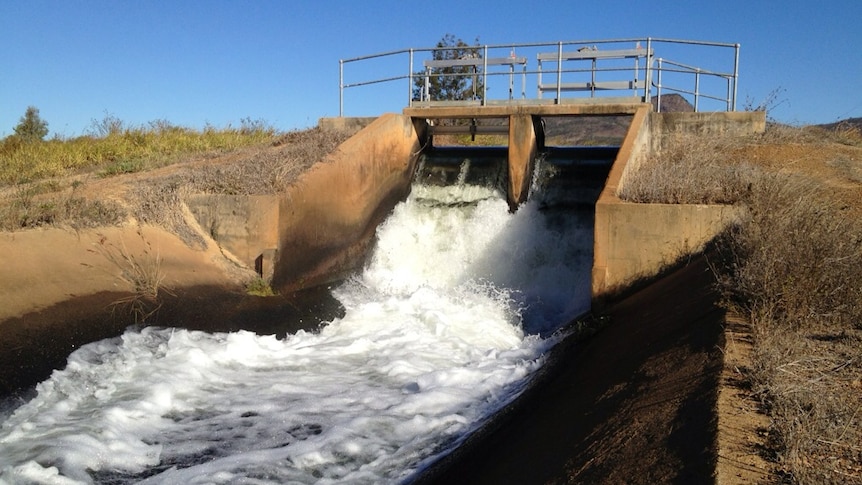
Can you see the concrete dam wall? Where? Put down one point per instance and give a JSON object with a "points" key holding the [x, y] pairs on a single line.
{"points": [[326, 223], [322, 228]]}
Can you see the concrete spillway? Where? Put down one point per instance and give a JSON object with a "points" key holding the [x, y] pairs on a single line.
{"points": [[174, 383]]}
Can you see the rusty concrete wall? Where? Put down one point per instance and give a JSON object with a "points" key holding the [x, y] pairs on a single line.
{"points": [[328, 218], [638, 240], [246, 226]]}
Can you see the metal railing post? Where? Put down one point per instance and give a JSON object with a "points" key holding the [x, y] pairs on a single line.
{"points": [[524, 80], [727, 98], [484, 74], [410, 81], [648, 74], [559, 71], [735, 73], [340, 88], [658, 88], [696, 88]]}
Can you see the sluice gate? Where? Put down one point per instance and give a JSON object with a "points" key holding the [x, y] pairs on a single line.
{"points": [[526, 143]]}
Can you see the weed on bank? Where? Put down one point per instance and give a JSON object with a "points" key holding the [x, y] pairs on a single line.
{"points": [[793, 266]]}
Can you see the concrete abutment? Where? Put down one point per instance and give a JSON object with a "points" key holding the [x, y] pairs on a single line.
{"points": [[321, 229]]}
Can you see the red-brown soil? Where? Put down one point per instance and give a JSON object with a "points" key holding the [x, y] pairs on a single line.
{"points": [[635, 403]]}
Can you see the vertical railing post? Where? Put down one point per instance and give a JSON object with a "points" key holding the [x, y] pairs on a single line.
{"points": [[484, 74], [340, 88], [559, 71], [658, 89], [648, 74], [727, 98], [410, 81], [696, 87], [524, 80], [735, 74]]}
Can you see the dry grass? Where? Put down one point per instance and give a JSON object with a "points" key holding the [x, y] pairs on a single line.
{"points": [[259, 171], [266, 168], [49, 204], [794, 267], [690, 170], [143, 271]]}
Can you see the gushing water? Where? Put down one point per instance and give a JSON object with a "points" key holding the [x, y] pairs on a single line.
{"points": [[455, 310]]}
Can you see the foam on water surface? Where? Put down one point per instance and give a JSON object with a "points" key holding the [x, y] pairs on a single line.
{"points": [[455, 310]]}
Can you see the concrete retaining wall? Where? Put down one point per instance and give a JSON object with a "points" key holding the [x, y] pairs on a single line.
{"points": [[638, 240], [246, 226], [328, 218], [713, 123]]}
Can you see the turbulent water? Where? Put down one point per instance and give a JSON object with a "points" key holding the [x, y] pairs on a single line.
{"points": [[455, 310]]}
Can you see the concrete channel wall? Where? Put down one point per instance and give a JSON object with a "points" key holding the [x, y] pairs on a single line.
{"points": [[634, 240], [322, 228], [246, 226], [327, 220]]}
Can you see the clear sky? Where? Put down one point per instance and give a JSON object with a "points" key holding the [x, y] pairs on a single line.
{"points": [[216, 62]]}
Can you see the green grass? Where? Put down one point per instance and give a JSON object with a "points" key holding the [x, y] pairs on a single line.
{"points": [[259, 287], [120, 150]]}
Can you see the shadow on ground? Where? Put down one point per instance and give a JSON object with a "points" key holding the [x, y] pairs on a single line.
{"points": [[635, 403]]}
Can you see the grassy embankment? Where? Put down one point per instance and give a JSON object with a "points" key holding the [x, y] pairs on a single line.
{"points": [[793, 267], [48, 183], [111, 178]]}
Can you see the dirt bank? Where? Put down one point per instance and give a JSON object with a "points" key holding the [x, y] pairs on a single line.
{"points": [[636, 403], [62, 289]]}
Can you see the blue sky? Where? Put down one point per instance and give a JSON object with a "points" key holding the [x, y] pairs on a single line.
{"points": [[217, 62]]}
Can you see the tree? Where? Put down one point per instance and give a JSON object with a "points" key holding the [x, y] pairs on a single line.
{"points": [[455, 83], [31, 127]]}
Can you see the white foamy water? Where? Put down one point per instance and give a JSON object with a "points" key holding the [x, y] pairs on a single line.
{"points": [[443, 328]]}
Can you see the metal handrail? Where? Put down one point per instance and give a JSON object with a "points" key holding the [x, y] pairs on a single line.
{"points": [[648, 69]]}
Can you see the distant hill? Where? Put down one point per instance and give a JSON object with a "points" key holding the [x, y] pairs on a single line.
{"points": [[586, 130], [602, 130], [843, 124], [672, 103]]}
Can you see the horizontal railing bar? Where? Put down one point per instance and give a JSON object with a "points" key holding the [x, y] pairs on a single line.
{"points": [[552, 54], [544, 44], [476, 62], [591, 54], [692, 69], [376, 81], [685, 91]]}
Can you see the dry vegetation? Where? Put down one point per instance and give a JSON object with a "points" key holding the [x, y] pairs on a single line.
{"points": [[793, 266], [52, 182]]}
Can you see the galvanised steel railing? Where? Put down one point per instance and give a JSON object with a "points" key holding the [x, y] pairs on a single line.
{"points": [[571, 71]]}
